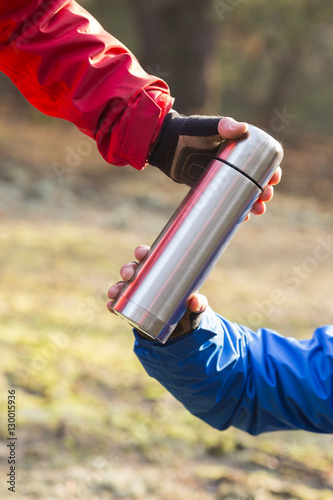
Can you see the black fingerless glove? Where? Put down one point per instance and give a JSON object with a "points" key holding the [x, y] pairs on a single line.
{"points": [[189, 322], [185, 146]]}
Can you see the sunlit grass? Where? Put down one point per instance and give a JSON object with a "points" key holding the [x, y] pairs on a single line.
{"points": [[82, 392]]}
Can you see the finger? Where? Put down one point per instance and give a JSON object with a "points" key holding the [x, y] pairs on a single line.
{"points": [[127, 271], [115, 289], [267, 193], [276, 177], [141, 251], [259, 208], [109, 305], [199, 303], [230, 129]]}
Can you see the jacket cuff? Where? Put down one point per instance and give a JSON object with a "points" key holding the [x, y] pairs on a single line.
{"points": [[143, 121]]}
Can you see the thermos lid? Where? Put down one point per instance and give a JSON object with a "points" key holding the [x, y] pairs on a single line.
{"points": [[255, 150]]}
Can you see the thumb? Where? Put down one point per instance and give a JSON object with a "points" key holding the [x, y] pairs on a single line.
{"points": [[198, 303], [230, 128]]}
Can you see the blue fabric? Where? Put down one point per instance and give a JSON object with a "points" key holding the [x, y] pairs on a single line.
{"points": [[229, 375]]}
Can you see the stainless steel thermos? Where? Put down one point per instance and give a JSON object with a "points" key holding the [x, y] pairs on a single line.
{"points": [[184, 253]]}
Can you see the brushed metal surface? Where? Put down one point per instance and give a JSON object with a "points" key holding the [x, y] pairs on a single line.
{"points": [[256, 153], [188, 247]]}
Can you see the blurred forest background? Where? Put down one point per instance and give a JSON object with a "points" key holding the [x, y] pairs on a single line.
{"points": [[268, 63], [91, 424]]}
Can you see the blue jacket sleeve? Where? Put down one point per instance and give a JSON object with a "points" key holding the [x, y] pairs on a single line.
{"points": [[228, 375]]}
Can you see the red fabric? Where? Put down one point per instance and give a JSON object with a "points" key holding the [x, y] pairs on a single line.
{"points": [[67, 66]]}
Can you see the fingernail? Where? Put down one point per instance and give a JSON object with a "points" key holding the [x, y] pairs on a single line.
{"points": [[236, 125], [200, 306]]}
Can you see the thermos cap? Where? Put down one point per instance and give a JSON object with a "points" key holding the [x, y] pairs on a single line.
{"points": [[251, 154]]}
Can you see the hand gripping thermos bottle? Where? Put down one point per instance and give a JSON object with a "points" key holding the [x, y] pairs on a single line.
{"points": [[188, 247]]}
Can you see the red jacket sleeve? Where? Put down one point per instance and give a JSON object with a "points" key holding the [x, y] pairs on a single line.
{"points": [[67, 66]]}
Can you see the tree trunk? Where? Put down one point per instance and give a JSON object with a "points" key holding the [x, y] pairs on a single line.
{"points": [[178, 38], [274, 106]]}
